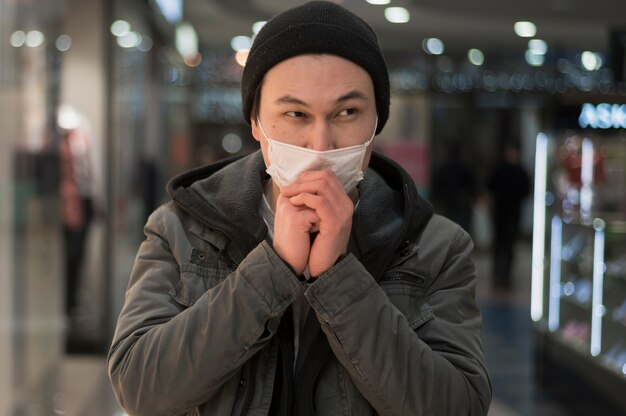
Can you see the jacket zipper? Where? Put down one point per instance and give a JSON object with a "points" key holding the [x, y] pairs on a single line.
{"points": [[250, 387], [396, 277]]}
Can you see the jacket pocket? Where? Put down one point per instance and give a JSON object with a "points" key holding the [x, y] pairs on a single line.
{"points": [[195, 281], [406, 290]]}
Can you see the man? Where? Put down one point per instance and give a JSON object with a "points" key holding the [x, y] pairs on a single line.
{"points": [[301, 293], [509, 185]]}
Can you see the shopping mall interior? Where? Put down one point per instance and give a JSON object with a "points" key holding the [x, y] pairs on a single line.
{"points": [[104, 101]]}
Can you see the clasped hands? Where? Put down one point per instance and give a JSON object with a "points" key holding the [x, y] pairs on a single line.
{"points": [[315, 203]]}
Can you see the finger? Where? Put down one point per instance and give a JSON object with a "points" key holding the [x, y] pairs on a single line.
{"points": [[315, 182], [299, 216], [328, 210]]}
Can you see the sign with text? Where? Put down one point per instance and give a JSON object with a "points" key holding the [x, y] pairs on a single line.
{"points": [[603, 116]]}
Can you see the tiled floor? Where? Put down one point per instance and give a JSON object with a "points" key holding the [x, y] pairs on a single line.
{"points": [[82, 387], [508, 342]]}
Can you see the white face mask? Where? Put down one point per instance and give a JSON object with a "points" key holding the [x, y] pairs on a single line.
{"points": [[287, 161]]}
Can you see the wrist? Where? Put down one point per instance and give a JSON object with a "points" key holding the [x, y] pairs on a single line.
{"points": [[339, 259]]}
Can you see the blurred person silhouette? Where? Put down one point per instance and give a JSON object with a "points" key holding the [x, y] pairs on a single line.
{"points": [[308, 277], [508, 185], [454, 188], [77, 211]]}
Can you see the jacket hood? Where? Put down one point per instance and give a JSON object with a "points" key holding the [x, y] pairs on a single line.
{"points": [[226, 196]]}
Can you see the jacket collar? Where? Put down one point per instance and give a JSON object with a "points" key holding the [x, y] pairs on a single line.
{"points": [[390, 214], [226, 196]]}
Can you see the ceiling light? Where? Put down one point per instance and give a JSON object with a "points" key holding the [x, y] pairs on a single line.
{"points": [[379, 2], [433, 46], [476, 57], [18, 38], [591, 61], [538, 46], [34, 39], [534, 59], [256, 28], [146, 44], [129, 40], [397, 15], [525, 29], [239, 43], [172, 10], [68, 118], [186, 41], [120, 27], [63, 43]]}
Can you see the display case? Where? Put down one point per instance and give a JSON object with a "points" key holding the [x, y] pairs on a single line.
{"points": [[578, 292]]}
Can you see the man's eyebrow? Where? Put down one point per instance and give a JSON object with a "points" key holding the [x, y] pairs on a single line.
{"points": [[352, 95], [288, 99]]}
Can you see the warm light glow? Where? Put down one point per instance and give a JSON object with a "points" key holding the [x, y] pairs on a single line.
{"points": [[397, 15], [193, 61], [241, 57], [476, 57], [525, 29]]}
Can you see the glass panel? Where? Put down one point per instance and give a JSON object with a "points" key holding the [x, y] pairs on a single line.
{"points": [[32, 323]]}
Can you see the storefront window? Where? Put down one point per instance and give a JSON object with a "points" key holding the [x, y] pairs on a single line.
{"points": [[148, 133], [30, 256]]}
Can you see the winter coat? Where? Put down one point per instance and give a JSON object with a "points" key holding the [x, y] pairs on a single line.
{"points": [[393, 328]]}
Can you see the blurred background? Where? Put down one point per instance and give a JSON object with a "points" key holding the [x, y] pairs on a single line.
{"points": [[509, 116]]}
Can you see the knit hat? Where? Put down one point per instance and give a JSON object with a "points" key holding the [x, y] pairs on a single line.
{"points": [[318, 27]]}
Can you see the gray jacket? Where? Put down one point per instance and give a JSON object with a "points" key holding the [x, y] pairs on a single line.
{"points": [[393, 328]]}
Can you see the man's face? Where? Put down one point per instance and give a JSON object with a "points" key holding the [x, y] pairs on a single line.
{"points": [[320, 102]]}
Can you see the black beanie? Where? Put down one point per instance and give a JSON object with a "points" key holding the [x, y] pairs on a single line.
{"points": [[318, 27]]}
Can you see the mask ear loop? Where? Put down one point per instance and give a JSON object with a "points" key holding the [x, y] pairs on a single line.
{"points": [[367, 143], [258, 122]]}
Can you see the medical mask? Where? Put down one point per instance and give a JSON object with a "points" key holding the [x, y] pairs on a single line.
{"points": [[287, 161]]}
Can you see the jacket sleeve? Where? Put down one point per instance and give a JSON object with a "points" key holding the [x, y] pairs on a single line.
{"points": [[429, 366], [166, 359]]}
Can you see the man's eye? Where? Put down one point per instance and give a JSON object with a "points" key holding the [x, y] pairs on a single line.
{"points": [[295, 114], [348, 112]]}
